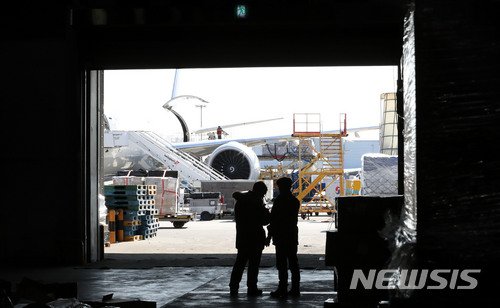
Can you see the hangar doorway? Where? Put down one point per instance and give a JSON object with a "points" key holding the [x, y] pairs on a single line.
{"points": [[263, 100]]}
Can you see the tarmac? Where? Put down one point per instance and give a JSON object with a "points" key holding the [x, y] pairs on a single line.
{"points": [[190, 267]]}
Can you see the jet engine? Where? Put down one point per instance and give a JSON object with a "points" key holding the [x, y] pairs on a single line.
{"points": [[236, 161]]}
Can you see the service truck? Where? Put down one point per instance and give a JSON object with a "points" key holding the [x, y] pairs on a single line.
{"points": [[207, 204]]}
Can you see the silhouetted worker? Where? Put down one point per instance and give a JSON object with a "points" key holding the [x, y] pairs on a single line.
{"points": [[285, 235], [250, 215]]}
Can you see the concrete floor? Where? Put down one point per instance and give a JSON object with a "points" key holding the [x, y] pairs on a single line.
{"points": [[190, 267], [179, 286]]}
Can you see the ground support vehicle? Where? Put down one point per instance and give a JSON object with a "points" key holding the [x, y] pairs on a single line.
{"points": [[207, 204], [178, 220]]}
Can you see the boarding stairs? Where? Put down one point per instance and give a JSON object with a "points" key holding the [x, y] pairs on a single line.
{"points": [[190, 168]]}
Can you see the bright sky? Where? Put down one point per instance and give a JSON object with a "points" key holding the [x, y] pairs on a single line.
{"points": [[133, 99]]}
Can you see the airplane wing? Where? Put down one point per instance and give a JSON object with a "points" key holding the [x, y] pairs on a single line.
{"points": [[356, 131], [206, 147], [229, 155], [212, 129]]}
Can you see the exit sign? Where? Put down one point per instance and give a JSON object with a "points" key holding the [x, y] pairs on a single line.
{"points": [[241, 11]]}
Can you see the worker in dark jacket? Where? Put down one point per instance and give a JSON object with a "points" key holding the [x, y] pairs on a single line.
{"points": [[284, 232], [250, 215], [220, 131]]}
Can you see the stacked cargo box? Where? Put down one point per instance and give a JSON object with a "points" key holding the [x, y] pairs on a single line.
{"points": [[353, 187], [379, 174], [166, 199], [132, 208], [167, 185]]}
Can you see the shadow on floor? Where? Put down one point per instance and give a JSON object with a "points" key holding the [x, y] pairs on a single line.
{"points": [[306, 261], [181, 280]]}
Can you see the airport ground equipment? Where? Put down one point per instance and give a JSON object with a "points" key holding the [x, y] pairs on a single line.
{"points": [[207, 204], [273, 172], [167, 195], [190, 169], [320, 178], [227, 188], [133, 208]]}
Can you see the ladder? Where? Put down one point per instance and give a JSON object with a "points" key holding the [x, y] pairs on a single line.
{"points": [[190, 168], [318, 175], [331, 152]]}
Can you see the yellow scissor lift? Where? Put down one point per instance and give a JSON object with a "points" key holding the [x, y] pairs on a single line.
{"points": [[325, 169]]}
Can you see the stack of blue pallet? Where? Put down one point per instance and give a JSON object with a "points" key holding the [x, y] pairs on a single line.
{"points": [[149, 225], [135, 208]]}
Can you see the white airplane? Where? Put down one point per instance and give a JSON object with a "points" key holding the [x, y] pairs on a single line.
{"points": [[213, 129], [234, 158]]}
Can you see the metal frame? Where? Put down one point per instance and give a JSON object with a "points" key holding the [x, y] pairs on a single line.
{"points": [[326, 167]]}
